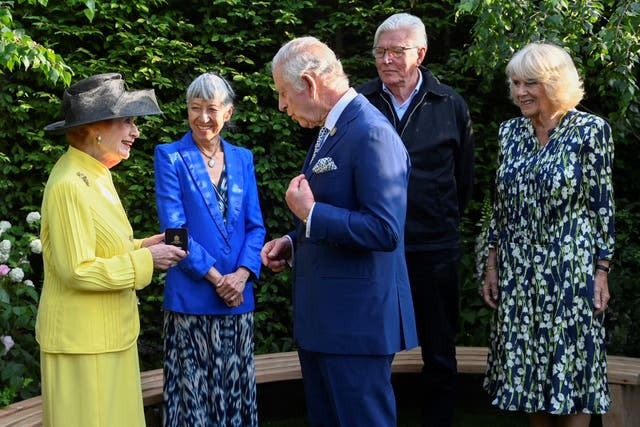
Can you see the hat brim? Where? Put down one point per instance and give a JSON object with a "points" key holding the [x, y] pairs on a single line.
{"points": [[133, 104]]}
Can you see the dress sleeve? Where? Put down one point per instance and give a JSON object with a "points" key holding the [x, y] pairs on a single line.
{"points": [[493, 231], [597, 164]]}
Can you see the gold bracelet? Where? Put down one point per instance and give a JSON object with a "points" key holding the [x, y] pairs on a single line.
{"points": [[490, 267]]}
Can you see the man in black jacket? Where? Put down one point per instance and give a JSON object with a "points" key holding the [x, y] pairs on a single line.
{"points": [[434, 124]]}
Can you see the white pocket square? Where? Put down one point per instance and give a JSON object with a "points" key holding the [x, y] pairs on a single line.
{"points": [[324, 164]]}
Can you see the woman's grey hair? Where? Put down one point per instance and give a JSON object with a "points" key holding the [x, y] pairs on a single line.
{"points": [[211, 86], [308, 55], [553, 67], [404, 21]]}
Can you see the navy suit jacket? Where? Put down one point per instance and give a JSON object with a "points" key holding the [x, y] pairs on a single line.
{"points": [[186, 198], [351, 288]]}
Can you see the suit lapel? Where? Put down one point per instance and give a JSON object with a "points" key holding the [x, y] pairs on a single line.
{"points": [[335, 135], [193, 161]]}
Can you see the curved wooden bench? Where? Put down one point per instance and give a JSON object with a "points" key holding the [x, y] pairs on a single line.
{"points": [[623, 373]]}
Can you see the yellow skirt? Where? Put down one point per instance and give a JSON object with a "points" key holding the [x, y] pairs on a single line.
{"points": [[92, 390]]}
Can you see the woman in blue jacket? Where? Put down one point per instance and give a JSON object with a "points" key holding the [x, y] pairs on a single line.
{"points": [[207, 185]]}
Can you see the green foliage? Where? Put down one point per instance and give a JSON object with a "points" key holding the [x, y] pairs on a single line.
{"points": [[624, 309], [19, 265], [17, 49], [164, 44]]}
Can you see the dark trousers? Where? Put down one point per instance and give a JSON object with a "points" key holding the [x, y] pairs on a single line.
{"points": [[348, 390], [434, 281]]}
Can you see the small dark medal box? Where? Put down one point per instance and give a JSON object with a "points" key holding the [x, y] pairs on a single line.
{"points": [[177, 237]]}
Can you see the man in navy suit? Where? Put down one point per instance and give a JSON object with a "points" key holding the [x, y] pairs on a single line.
{"points": [[352, 300]]}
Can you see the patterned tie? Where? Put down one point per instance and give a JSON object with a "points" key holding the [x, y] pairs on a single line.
{"points": [[321, 137]]}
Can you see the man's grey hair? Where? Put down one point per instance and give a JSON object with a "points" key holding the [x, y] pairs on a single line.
{"points": [[211, 86], [309, 55], [404, 21]]}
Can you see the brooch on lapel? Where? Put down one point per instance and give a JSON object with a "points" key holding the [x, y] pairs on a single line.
{"points": [[84, 178], [323, 165]]}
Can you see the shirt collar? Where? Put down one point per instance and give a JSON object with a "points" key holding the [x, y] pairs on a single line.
{"points": [[415, 90], [336, 111]]}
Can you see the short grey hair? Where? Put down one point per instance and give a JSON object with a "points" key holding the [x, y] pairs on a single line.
{"points": [[309, 55], [211, 86], [404, 21], [553, 67]]}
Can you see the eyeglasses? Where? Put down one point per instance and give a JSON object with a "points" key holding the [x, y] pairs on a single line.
{"points": [[393, 51]]}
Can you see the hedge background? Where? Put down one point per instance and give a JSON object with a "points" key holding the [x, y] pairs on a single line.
{"points": [[164, 44]]}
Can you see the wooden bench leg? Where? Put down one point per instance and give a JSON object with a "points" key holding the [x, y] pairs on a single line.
{"points": [[625, 406]]}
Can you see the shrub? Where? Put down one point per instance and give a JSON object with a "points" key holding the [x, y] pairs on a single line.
{"points": [[19, 263]]}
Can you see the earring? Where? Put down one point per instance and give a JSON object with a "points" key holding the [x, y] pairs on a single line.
{"points": [[98, 139]]}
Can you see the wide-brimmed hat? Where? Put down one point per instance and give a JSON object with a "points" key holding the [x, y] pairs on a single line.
{"points": [[102, 97]]}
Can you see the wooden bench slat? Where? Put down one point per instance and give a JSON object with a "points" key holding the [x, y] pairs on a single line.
{"points": [[150, 374], [623, 370], [279, 376], [22, 405], [471, 360], [27, 413], [28, 417]]}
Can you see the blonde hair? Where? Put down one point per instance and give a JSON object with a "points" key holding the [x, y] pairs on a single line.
{"points": [[553, 67]]}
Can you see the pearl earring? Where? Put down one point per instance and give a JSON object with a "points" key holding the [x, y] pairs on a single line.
{"points": [[99, 139]]}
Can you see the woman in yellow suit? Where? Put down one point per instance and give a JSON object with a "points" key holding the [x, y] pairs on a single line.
{"points": [[88, 323]]}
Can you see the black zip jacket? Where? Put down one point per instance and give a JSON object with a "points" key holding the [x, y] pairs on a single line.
{"points": [[436, 129]]}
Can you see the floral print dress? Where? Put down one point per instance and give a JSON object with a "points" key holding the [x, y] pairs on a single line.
{"points": [[553, 218]]}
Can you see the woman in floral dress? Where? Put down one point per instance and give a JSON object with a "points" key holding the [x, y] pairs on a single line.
{"points": [[550, 242]]}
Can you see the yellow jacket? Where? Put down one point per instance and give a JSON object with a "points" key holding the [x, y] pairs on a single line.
{"points": [[92, 263]]}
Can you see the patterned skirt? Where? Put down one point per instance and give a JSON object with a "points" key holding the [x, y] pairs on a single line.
{"points": [[547, 349], [209, 373]]}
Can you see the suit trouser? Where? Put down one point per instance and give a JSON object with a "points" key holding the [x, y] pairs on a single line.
{"points": [[348, 390], [434, 281]]}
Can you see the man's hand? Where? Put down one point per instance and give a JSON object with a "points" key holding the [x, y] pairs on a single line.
{"points": [[275, 253], [299, 197]]}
